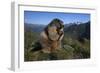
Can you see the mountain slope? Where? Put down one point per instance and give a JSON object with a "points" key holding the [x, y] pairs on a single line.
{"points": [[78, 31]]}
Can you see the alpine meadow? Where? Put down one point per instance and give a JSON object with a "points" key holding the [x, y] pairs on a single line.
{"points": [[75, 43]]}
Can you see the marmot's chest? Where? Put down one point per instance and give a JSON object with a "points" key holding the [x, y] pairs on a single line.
{"points": [[52, 33], [54, 44]]}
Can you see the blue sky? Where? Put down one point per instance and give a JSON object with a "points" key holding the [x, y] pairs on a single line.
{"points": [[46, 17]]}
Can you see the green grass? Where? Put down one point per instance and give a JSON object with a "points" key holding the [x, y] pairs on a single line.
{"points": [[71, 49]]}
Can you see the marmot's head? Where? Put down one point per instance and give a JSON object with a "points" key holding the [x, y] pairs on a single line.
{"points": [[57, 23], [54, 29]]}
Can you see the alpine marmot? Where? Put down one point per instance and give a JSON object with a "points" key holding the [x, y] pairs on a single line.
{"points": [[50, 38]]}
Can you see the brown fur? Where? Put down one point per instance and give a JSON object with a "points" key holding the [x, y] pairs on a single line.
{"points": [[51, 44]]}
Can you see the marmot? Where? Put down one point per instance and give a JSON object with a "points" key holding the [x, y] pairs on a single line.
{"points": [[50, 38]]}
